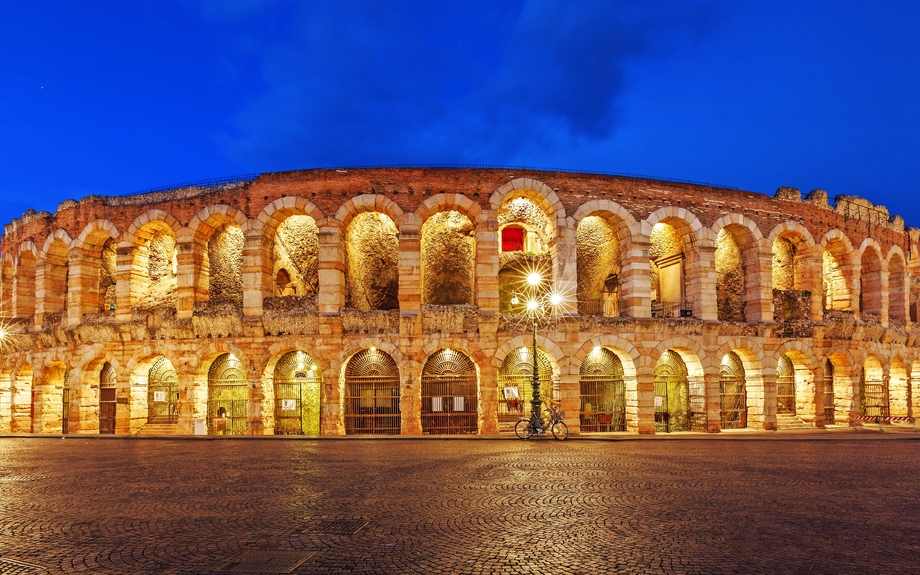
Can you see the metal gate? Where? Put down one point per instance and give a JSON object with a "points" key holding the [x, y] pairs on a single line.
{"points": [[297, 384], [107, 400], [228, 397], [829, 393], [672, 394], [449, 402], [515, 385], [733, 393], [372, 394], [873, 401], [162, 393], [65, 400], [603, 392], [785, 386]]}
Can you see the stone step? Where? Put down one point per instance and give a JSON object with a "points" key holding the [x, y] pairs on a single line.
{"points": [[787, 421], [159, 429]]}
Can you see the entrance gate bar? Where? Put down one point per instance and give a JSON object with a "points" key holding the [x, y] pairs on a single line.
{"points": [[228, 397], [162, 393], [515, 385], [449, 403], [372, 394], [107, 400], [733, 392], [603, 392], [297, 384], [785, 386], [828, 393]]}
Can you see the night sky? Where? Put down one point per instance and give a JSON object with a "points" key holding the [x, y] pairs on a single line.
{"points": [[117, 97]]}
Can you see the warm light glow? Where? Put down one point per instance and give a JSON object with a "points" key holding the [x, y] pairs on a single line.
{"points": [[555, 299], [2, 333], [597, 349], [515, 300], [313, 367], [373, 349], [534, 278], [532, 305], [300, 365]]}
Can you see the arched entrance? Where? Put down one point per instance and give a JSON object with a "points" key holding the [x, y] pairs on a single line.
{"points": [[602, 392], [672, 394], [372, 394], [449, 396], [873, 397], [297, 384], [107, 400], [785, 386], [515, 384], [228, 396], [733, 392], [162, 393], [829, 393]]}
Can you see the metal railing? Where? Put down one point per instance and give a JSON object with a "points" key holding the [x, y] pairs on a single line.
{"points": [[671, 309]]}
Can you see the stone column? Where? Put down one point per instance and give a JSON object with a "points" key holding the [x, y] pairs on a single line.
{"points": [[410, 399], [635, 285], [487, 266], [570, 387], [410, 264], [645, 384], [769, 398], [255, 424], [488, 399], [713, 385], [41, 291], [567, 274], [83, 295], [758, 296], [126, 277], [256, 267], [331, 420], [331, 296], [701, 289]]}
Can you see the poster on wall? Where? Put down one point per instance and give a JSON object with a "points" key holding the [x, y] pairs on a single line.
{"points": [[511, 393], [288, 404], [159, 397]]}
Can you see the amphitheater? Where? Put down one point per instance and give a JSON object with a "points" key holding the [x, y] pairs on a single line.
{"points": [[383, 301]]}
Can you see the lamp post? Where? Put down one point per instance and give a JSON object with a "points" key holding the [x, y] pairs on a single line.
{"points": [[536, 306]]}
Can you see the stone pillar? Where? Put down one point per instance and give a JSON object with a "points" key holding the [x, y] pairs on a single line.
{"points": [[487, 266], [410, 399], [701, 285], [645, 384], [635, 285], [566, 270], [256, 268], [331, 296], [410, 265], [769, 398], [255, 424], [189, 278], [83, 295], [488, 399], [126, 276], [41, 291], [331, 421], [810, 266], [570, 388], [758, 296], [883, 312]]}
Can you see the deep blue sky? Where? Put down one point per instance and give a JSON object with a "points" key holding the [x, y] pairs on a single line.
{"points": [[115, 97]]}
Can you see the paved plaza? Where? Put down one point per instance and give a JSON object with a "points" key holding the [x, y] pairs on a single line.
{"points": [[844, 503]]}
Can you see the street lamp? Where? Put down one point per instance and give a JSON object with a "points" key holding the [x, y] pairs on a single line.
{"points": [[536, 305]]}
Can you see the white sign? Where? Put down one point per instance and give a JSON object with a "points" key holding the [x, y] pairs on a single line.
{"points": [[437, 404], [511, 393], [459, 403], [659, 401], [288, 404], [159, 397]]}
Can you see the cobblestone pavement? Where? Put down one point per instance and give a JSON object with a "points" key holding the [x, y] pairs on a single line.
{"points": [[807, 505]]}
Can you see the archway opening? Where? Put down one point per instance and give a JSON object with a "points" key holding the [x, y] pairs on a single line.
{"points": [[836, 287], [897, 290], [786, 387], [162, 393], [598, 265], [372, 394], [154, 268], [372, 262], [897, 389], [295, 250], [667, 269], [730, 278], [673, 411], [222, 269], [228, 396], [107, 399], [449, 394], [870, 281], [602, 392], [733, 392], [448, 254], [515, 384], [107, 269], [873, 395], [56, 274], [297, 383]]}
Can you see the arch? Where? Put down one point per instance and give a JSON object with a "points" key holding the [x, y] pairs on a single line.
{"points": [[449, 203], [151, 242], [296, 393], [602, 392], [448, 259], [108, 401], [839, 387], [797, 401], [898, 290], [141, 229], [840, 271], [898, 388], [749, 353], [96, 266], [515, 384], [739, 273], [279, 210], [208, 220], [873, 389], [679, 406], [367, 203], [228, 396], [449, 393], [679, 275], [371, 262], [872, 271], [162, 393], [372, 394], [53, 275], [95, 233], [541, 193]]}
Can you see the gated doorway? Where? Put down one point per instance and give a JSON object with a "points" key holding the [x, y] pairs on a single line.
{"points": [[672, 394], [162, 393], [228, 396], [785, 386], [733, 392], [873, 400], [65, 400], [107, 400], [828, 393], [372, 394], [449, 398], [602, 392], [515, 385], [297, 383]]}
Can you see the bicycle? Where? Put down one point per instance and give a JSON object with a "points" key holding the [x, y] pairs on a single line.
{"points": [[525, 429]]}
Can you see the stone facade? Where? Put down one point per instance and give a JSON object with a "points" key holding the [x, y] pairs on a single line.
{"points": [[694, 290]]}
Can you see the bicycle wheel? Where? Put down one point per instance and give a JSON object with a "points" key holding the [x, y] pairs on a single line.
{"points": [[523, 429], [560, 430]]}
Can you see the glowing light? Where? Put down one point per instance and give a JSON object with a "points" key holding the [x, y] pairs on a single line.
{"points": [[596, 350], [532, 305], [534, 278], [555, 299], [2, 333], [373, 349], [313, 367], [515, 300], [300, 365]]}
